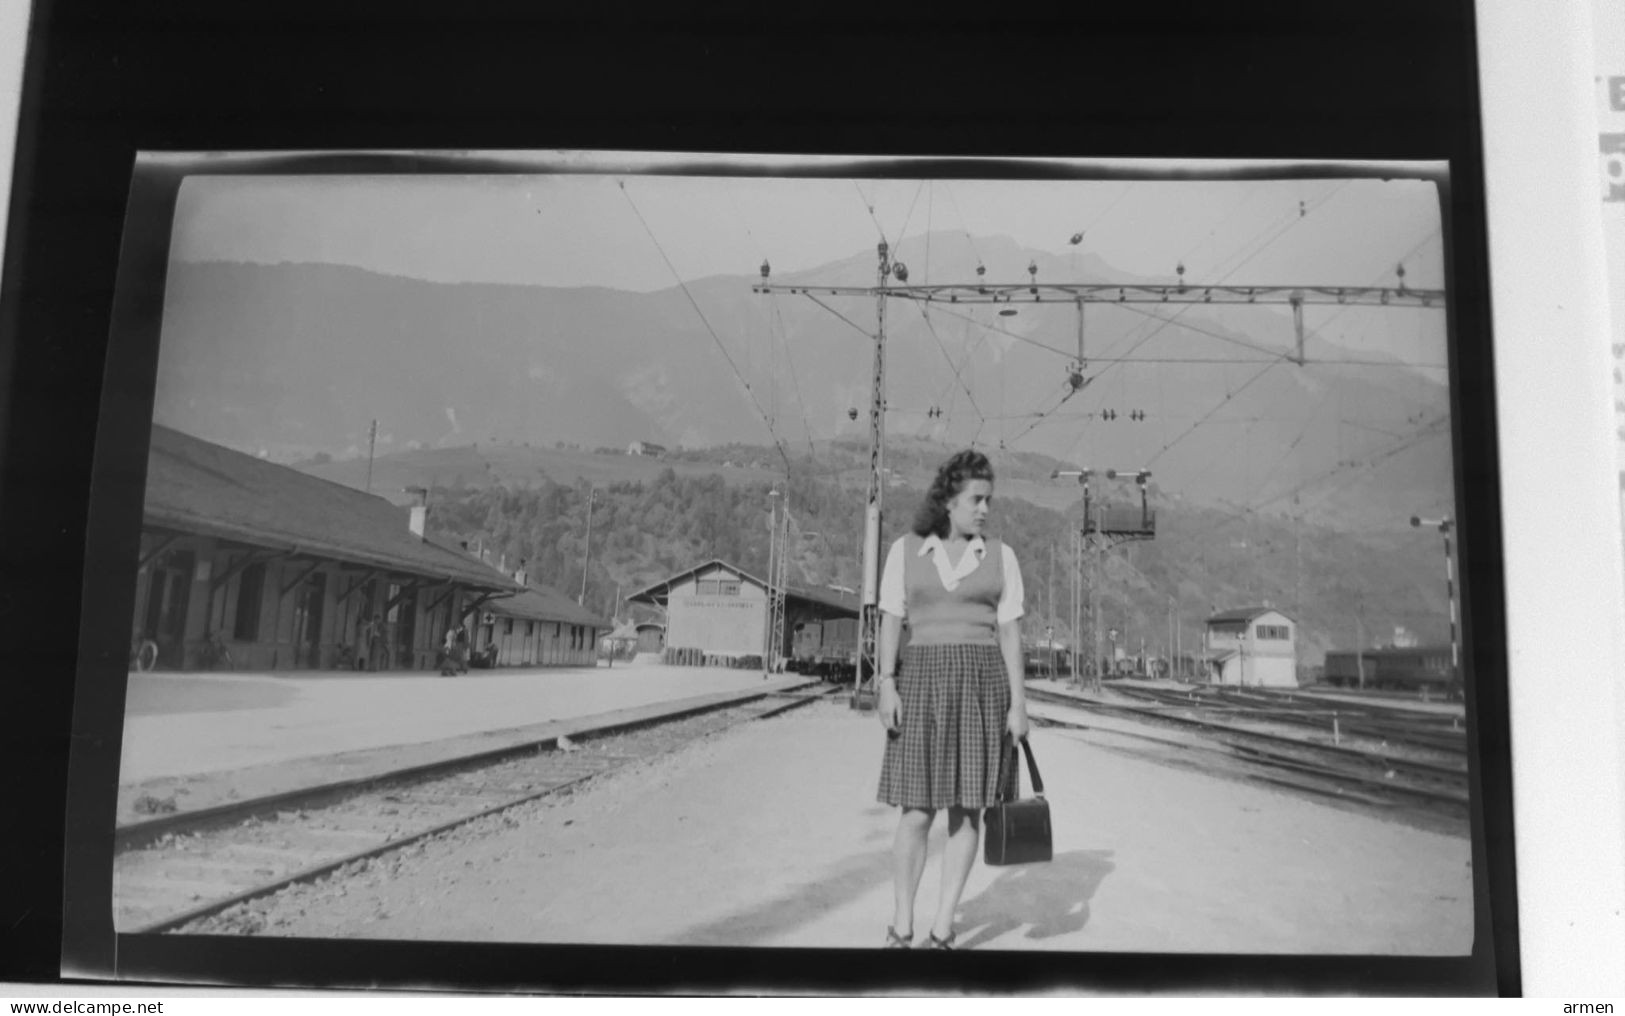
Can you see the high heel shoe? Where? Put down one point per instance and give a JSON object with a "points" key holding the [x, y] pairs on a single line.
{"points": [[933, 942], [896, 941]]}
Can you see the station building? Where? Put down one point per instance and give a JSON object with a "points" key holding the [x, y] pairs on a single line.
{"points": [[716, 610], [1251, 646], [287, 570], [539, 626]]}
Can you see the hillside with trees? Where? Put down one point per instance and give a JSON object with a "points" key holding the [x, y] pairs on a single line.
{"points": [[1334, 584]]}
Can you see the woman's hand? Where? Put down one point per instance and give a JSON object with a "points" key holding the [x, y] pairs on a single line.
{"points": [[1017, 724], [890, 706]]}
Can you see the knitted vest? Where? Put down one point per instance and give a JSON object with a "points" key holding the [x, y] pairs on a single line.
{"points": [[968, 614]]}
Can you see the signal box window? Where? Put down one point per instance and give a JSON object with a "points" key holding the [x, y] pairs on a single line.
{"points": [[1278, 632]]}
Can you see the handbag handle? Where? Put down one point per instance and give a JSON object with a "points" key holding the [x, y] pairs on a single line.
{"points": [[1032, 771]]}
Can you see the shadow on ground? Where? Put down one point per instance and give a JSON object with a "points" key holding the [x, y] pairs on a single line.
{"points": [[1047, 899], [844, 883]]}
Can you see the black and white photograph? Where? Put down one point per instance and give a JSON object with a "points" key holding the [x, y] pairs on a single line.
{"points": [[531, 549]]}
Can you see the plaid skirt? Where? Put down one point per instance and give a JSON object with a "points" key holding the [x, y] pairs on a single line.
{"points": [[956, 702]]}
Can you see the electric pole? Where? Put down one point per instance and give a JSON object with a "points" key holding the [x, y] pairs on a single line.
{"points": [[868, 665], [586, 551], [1049, 630], [372, 444], [772, 562], [1170, 636]]}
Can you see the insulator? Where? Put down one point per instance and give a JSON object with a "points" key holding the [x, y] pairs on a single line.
{"points": [[852, 414], [981, 269], [765, 268], [1032, 269], [1077, 238], [901, 271]]}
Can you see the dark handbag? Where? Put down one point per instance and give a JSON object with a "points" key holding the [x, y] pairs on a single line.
{"points": [[1018, 831]]}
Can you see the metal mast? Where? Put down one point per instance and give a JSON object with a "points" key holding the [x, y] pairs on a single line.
{"points": [[868, 665], [772, 567], [781, 576]]}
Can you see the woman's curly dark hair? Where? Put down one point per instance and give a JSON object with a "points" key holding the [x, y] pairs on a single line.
{"points": [[961, 468]]}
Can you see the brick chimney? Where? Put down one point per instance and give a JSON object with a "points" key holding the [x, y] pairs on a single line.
{"points": [[420, 515]]}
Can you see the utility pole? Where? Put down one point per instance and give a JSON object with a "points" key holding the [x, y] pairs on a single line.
{"points": [[1077, 607], [1359, 646], [1171, 636], [863, 692], [586, 551], [781, 579], [1095, 589], [1049, 630], [372, 444], [1298, 540], [772, 562]]}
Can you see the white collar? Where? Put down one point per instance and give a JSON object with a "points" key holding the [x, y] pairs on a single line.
{"points": [[978, 546]]}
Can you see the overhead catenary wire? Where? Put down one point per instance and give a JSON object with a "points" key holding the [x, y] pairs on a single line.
{"points": [[869, 205], [723, 349], [958, 375], [1164, 323]]}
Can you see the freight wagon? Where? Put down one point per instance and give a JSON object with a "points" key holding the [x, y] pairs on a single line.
{"points": [[827, 649]]}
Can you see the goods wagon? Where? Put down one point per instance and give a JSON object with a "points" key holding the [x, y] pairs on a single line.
{"points": [[828, 649]]}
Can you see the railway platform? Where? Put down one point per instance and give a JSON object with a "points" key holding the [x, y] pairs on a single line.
{"points": [[769, 835], [195, 740]]}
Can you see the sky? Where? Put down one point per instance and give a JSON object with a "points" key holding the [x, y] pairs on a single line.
{"points": [[644, 231]]}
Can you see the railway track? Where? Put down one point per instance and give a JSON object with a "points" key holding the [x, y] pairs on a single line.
{"points": [[168, 874], [1441, 736], [1368, 775]]}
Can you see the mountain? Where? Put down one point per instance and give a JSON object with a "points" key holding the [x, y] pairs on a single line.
{"points": [[296, 359]]}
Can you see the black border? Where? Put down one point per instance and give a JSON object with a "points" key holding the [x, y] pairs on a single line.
{"points": [[1375, 80]]}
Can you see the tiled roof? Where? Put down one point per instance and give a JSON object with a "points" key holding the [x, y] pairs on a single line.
{"points": [[197, 487], [544, 603], [1242, 614]]}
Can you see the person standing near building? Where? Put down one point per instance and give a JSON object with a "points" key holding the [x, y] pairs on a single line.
{"points": [[959, 691], [373, 638]]}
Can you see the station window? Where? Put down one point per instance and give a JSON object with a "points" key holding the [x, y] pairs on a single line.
{"points": [[250, 588], [728, 587], [507, 626], [1278, 632], [706, 587]]}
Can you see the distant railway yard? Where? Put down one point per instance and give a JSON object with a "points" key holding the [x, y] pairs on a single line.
{"points": [[1395, 757]]}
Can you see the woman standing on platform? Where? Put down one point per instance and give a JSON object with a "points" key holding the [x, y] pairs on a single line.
{"points": [[959, 691]]}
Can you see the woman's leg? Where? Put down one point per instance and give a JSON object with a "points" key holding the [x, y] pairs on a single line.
{"points": [[908, 864], [964, 833]]}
